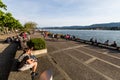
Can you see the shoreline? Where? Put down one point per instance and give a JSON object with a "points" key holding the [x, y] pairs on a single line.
{"points": [[100, 35]]}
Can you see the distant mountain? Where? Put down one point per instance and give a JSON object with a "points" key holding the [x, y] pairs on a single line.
{"points": [[104, 26]]}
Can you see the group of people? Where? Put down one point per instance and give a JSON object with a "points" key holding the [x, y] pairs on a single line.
{"points": [[26, 60], [10, 39], [55, 36], [20, 39], [91, 40], [114, 44], [44, 34], [69, 37], [58, 36]]}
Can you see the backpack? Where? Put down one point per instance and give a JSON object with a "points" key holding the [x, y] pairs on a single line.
{"points": [[21, 64]]}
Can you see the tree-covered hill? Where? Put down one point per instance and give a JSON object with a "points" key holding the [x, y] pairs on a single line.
{"points": [[102, 26]]}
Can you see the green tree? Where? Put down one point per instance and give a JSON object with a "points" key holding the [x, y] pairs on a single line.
{"points": [[7, 21], [2, 5], [30, 26]]}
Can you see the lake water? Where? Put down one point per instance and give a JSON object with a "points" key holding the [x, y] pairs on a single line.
{"points": [[100, 35]]}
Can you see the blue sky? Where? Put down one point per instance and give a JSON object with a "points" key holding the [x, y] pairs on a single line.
{"points": [[65, 12]]}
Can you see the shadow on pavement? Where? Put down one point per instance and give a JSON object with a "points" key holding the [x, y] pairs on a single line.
{"points": [[6, 60]]}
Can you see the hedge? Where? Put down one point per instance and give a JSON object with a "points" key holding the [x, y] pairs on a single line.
{"points": [[37, 43]]}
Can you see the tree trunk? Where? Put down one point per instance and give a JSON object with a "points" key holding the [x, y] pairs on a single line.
{"points": [[7, 30]]}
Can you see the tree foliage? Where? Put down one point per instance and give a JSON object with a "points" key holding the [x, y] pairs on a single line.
{"points": [[30, 26], [7, 21], [2, 5]]}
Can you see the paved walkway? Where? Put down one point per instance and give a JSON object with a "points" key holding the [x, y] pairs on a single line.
{"points": [[44, 63], [71, 60], [78, 61]]}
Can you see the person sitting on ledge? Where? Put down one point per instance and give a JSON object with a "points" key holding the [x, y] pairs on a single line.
{"points": [[95, 40], [73, 37], [91, 40], [114, 44], [8, 40], [26, 62], [106, 42]]}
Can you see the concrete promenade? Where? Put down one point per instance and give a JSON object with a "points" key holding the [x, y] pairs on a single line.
{"points": [[71, 60], [78, 61]]}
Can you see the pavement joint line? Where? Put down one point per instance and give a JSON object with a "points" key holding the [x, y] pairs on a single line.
{"points": [[90, 60], [98, 58], [105, 76], [59, 69], [103, 53], [67, 49]]}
